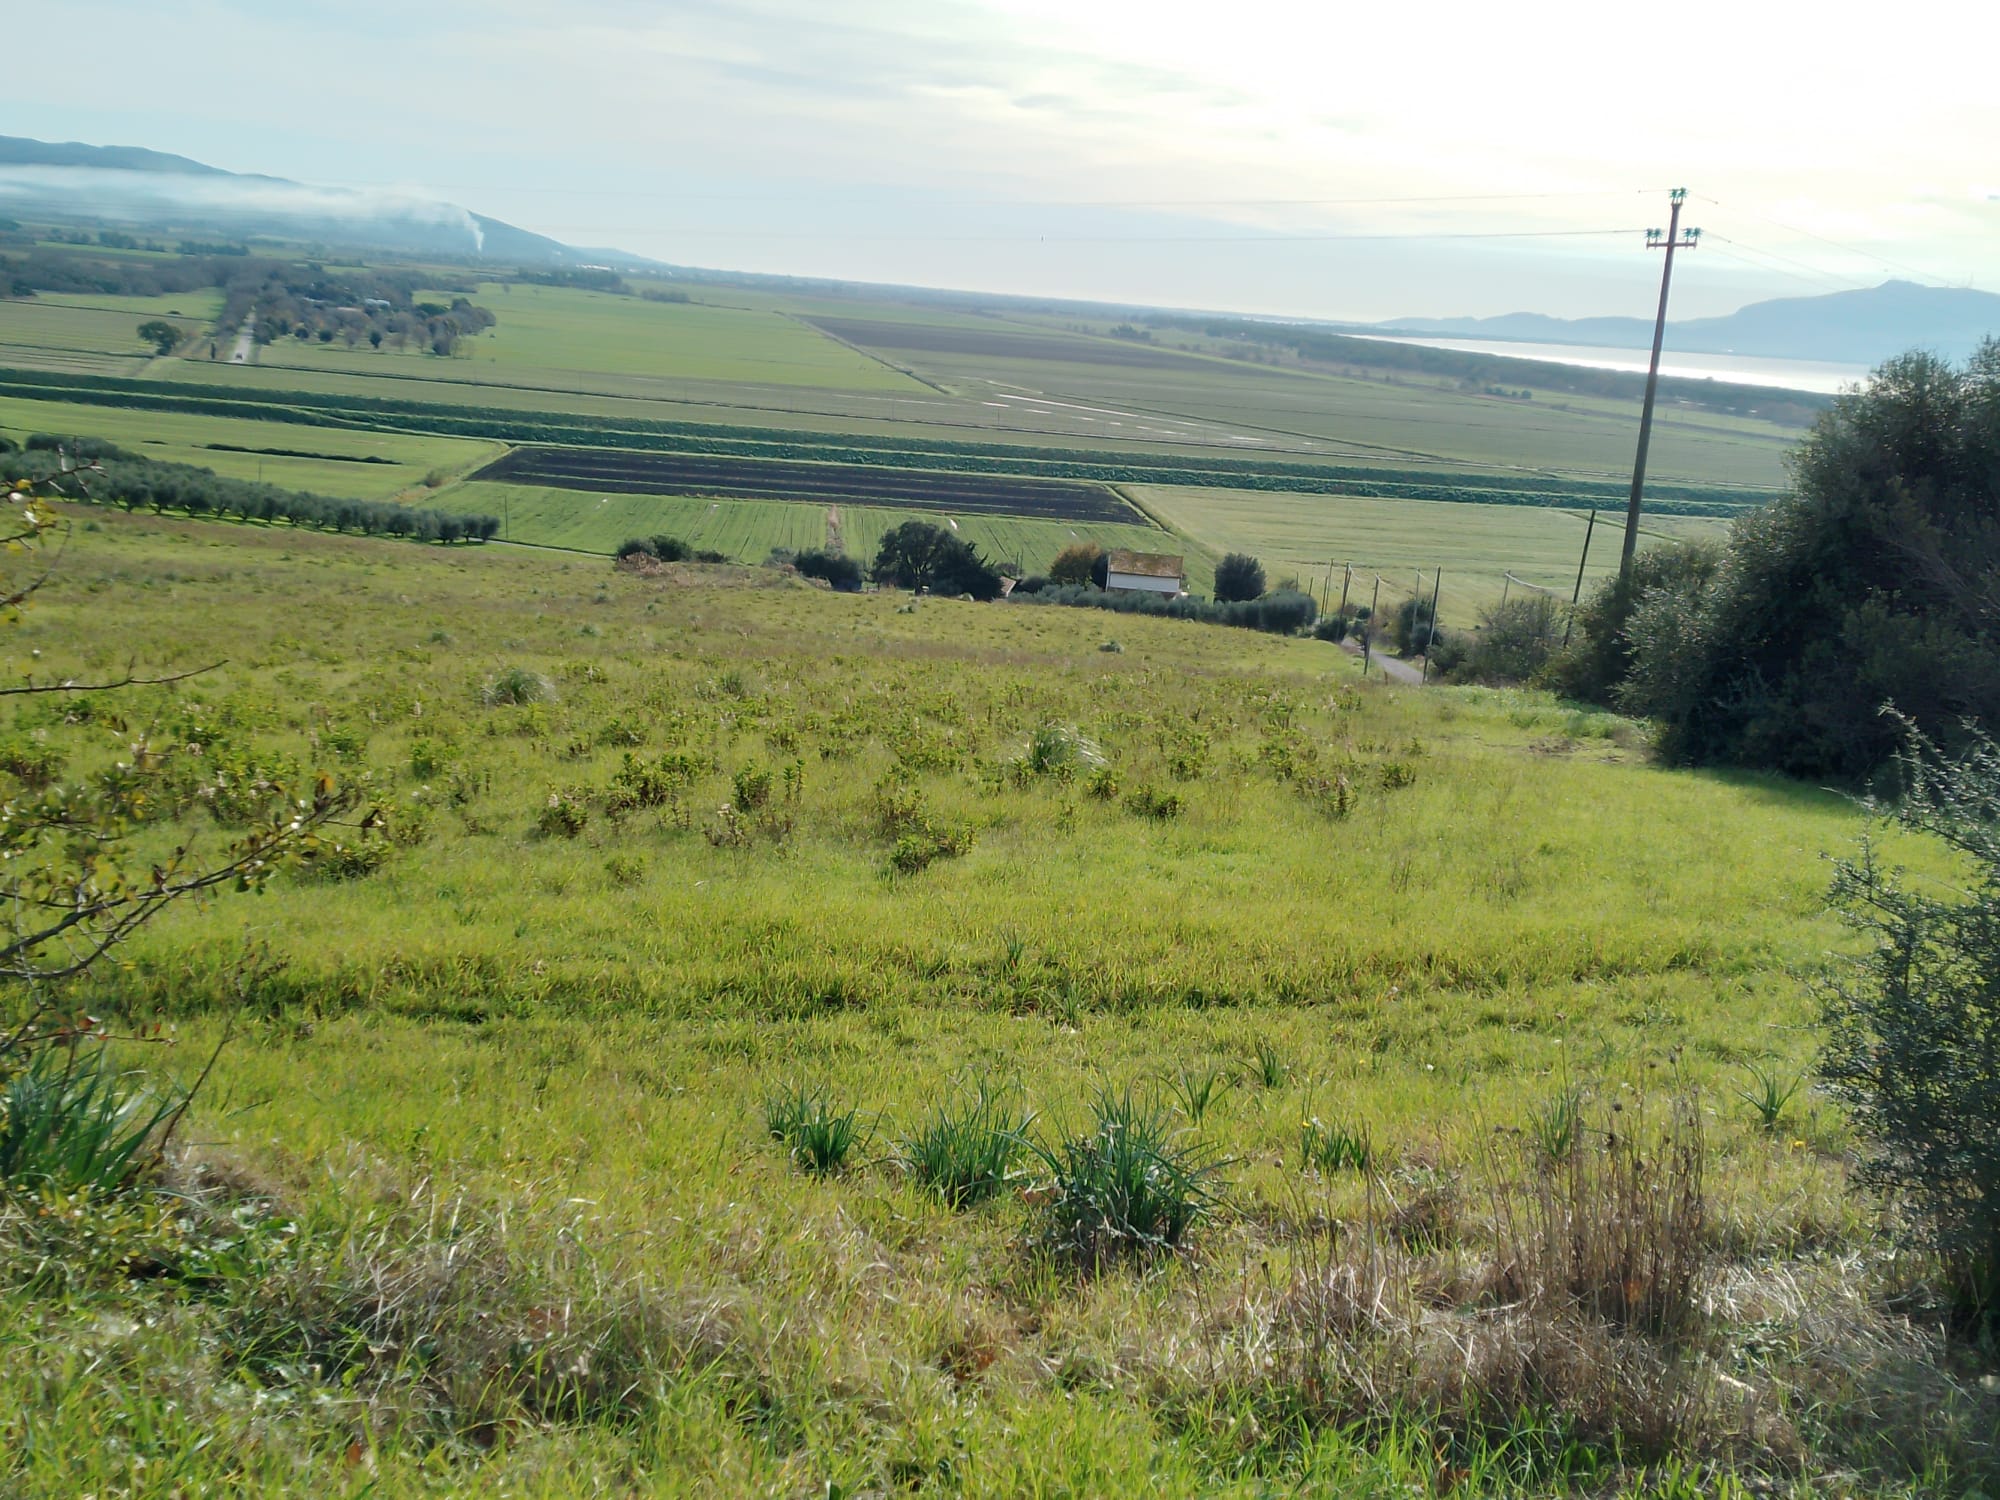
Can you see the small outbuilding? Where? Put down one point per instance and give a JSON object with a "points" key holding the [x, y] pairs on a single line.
{"points": [[1144, 573]]}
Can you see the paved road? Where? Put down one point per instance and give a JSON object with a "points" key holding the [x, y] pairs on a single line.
{"points": [[246, 343]]}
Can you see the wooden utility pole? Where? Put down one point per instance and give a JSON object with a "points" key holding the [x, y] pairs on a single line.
{"points": [[1577, 592], [1674, 239], [1431, 635]]}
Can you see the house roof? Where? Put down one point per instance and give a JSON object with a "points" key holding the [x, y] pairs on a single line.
{"points": [[1145, 564]]}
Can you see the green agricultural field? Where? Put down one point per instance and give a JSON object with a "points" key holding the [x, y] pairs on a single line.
{"points": [[482, 1194], [1475, 545], [749, 529], [334, 460], [560, 337], [95, 334]]}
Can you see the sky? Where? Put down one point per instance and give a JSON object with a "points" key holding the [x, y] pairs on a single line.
{"points": [[1312, 160]]}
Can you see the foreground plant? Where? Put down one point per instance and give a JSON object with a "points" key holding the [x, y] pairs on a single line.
{"points": [[1914, 1024], [1130, 1186], [965, 1151], [819, 1135]]}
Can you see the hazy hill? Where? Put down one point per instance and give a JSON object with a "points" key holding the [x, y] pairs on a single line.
{"points": [[154, 190], [1858, 327]]}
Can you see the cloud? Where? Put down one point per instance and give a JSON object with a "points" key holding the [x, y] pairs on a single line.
{"points": [[141, 196]]}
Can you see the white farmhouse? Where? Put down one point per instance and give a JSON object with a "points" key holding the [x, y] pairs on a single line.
{"points": [[1144, 573]]}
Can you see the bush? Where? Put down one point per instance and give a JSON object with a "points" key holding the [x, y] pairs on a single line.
{"points": [[1515, 641], [843, 572], [515, 686], [1600, 652], [635, 546], [564, 816], [1131, 1186], [1279, 614], [1331, 628], [1410, 626], [1913, 1045], [1238, 576]]}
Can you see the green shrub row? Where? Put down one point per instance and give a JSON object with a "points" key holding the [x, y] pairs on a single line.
{"points": [[131, 483], [1283, 613]]}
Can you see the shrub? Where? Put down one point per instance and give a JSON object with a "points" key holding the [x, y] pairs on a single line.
{"points": [[1130, 1186], [1151, 802], [966, 1153], [843, 572], [636, 546], [670, 549], [1059, 750], [923, 847], [750, 788], [819, 1136], [1073, 565], [1238, 576], [1410, 625], [1332, 628], [1514, 642], [70, 1120], [517, 685], [1913, 1024], [563, 816], [1599, 654]]}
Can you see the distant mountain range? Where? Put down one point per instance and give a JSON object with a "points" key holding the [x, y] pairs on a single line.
{"points": [[154, 191], [1859, 327]]}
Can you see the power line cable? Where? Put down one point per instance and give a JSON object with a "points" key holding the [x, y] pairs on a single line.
{"points": [[1083, 239], [1811, 234]]}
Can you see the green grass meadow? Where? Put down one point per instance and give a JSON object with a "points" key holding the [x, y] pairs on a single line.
{"points": [[1476, 546], [561, 336], [491, 1116], [96, 334], [323, 460]]}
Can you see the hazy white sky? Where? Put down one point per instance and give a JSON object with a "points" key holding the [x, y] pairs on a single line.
{"points": [[1234, 156]]}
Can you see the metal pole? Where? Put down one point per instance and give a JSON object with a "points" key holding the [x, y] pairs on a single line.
{"points": [[1577, 592], [1669, 244]]}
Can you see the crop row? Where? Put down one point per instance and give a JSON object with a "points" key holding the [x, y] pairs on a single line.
{"points": [[773, 479], [375, 413]]}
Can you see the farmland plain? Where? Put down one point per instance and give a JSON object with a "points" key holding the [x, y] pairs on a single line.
{"points": [[1022, 396], [490, 1136]]}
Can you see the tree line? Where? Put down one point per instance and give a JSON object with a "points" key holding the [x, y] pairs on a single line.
{"points": [[126, 480]]}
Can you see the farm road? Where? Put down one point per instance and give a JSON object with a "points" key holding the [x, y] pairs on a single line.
{"points": [[1394, 670]]}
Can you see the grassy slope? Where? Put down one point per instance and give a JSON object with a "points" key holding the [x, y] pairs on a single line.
{"points": [[564, 1044]]}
